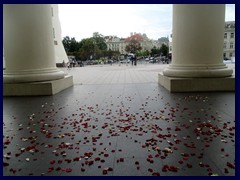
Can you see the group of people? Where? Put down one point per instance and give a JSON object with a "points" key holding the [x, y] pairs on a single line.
{"points": [[69, 64]]}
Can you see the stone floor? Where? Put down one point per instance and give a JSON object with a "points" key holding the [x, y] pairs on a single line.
{"points": [[118, 121]]}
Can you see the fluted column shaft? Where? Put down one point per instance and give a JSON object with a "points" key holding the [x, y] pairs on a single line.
{"points": [[197, 44], [28, 44]]}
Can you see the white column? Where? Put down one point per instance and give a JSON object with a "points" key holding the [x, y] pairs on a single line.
{"points": [[197, 46], [28, 44]]}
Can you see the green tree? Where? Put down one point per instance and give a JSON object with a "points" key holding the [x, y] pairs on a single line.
{"points": [[66, 43], [99, 41], [142, 53], [99, 45], [164, 50], [155, 51], [94, 47], [87, 48], [146, 53], [70, 45]]}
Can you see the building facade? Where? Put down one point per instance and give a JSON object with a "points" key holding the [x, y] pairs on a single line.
{"points": [[145, 42], [229, 40], [115, 43]]}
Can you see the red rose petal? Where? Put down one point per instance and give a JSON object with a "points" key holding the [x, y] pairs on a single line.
{"points": [[226, 170], [68, 170], [76, 159], [50, 169], [180, 161], [5, 164], [150, 156], [106, 155], [97, 159], [150, 169], [52, 162], [165, 168], [13, 170], [156, 174], [7, 142], [104, 171], [173, 168], [230, 165], [59, 161], [82, 169], [185, 154], [175, 148], [58, 169]]}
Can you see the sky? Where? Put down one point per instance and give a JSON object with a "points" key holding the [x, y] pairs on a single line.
{"points": [[155, 20]]}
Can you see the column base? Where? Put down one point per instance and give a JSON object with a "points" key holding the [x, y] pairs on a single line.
{"points": [[198, 71], [174, 84], [37, 88], [36, 75]]}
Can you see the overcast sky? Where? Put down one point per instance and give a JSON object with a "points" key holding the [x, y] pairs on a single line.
{"points": [[81, 20]]}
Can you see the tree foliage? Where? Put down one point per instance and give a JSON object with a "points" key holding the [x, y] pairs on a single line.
{"points": [[164, 50], [70, 44], [133, 46], [155, 51], [99, 41], [87, 49], [93, 47], [143, 53]]}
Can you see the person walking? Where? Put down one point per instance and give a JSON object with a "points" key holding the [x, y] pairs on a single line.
{"points": [[132, 60], [135, 59], [68, 65]]}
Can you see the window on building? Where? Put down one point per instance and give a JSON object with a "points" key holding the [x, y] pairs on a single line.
{"points": [[224, 55], [55, 43], [232, 35], [230, 54], [225, 35], [231, 45], [225, 45]]}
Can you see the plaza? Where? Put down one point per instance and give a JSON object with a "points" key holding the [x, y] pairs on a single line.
{"points": [[118, 121]]}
